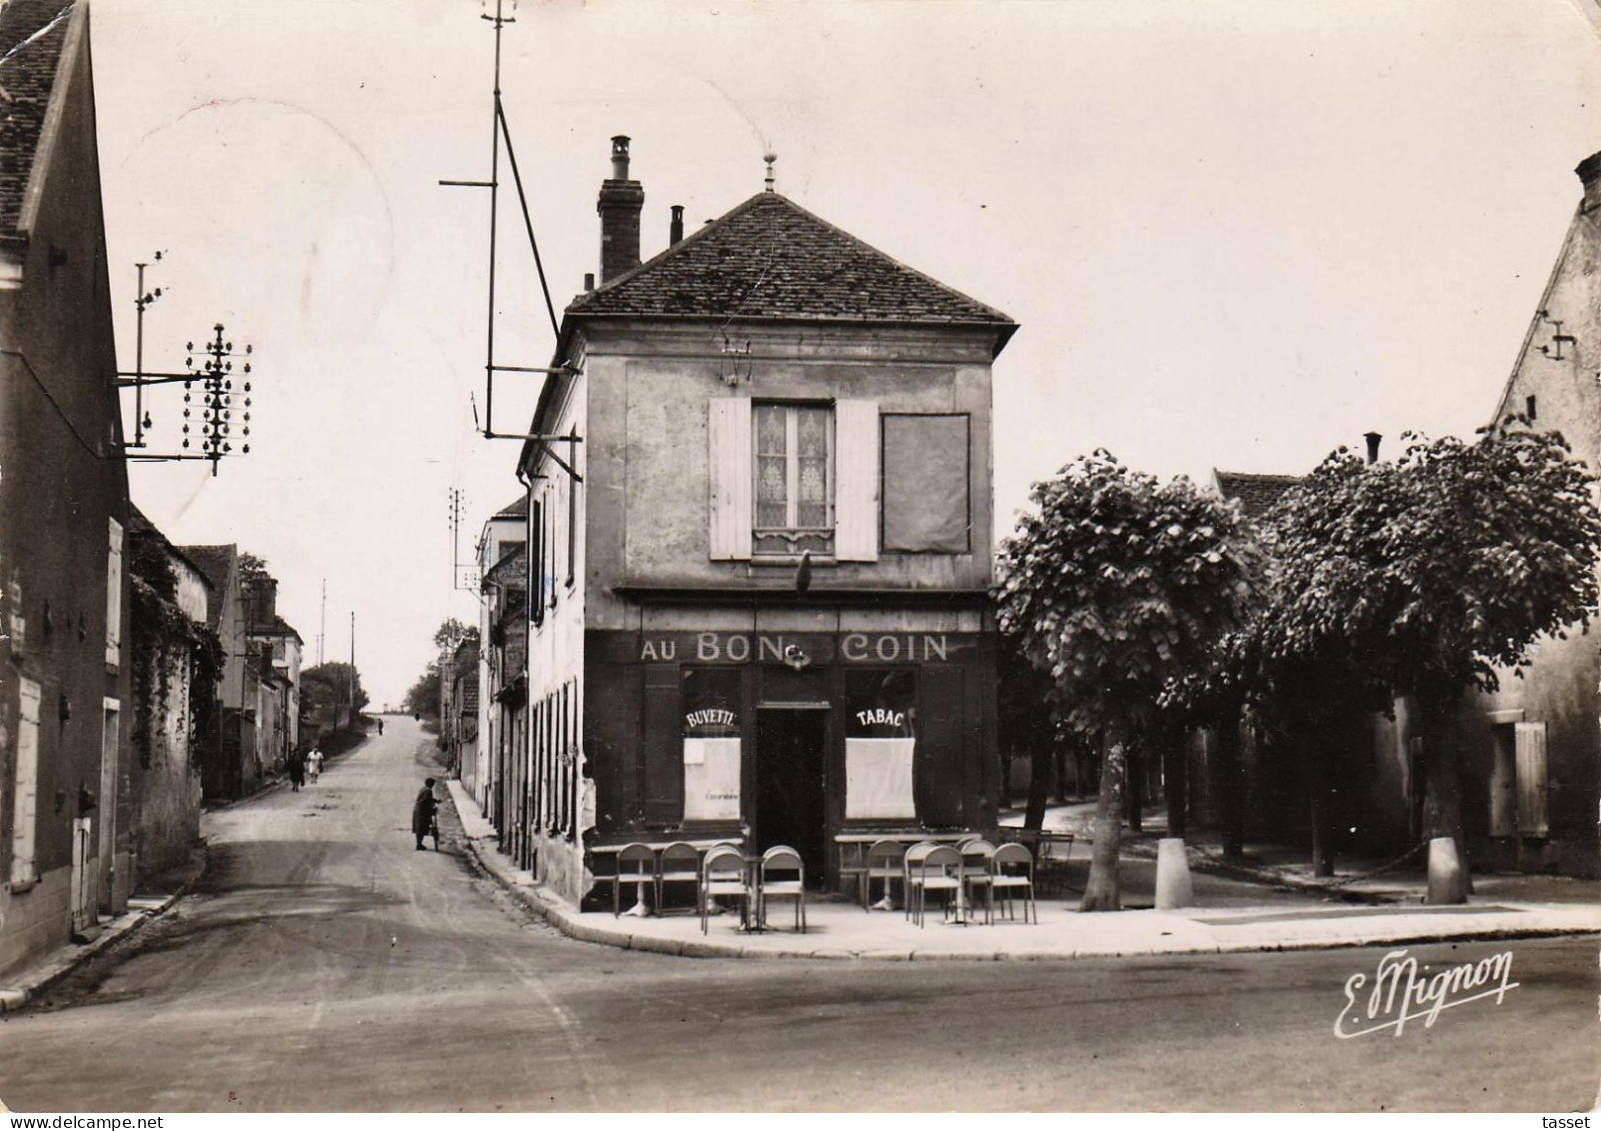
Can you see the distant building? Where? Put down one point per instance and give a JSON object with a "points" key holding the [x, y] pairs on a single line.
{"points": [[502, 585], [763, 612], [65, 704], [276, 647], [229, 766]]}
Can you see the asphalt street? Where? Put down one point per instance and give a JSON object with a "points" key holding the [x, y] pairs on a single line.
{"points": [[324, 965]]}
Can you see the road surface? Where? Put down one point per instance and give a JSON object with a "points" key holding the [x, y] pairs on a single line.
{"points": [[325, 965]]}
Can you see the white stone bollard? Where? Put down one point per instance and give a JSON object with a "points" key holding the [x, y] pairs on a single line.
{"points": [[1173, 886], [1448, 880]]}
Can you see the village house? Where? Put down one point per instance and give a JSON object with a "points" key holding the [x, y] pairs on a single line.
{"points": [[1538, 746], [275, 648], [172, 726], [64, 680], [228, 764], [501, 584], [504, 697], [758, 571]]}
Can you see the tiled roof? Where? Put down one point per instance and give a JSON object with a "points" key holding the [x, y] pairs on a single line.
{"points": [[771, 259], [31, 35], [517, 508], [214, 563], [511, 568], [1257, 493]]}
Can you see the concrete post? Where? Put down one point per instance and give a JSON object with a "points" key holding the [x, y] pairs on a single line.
{"points": [[1173, 886], [1448, 880]]}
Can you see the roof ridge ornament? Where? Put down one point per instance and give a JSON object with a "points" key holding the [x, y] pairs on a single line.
{"points": [[770, 156]]}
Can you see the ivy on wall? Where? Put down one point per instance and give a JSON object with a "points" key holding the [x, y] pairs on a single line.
{"points": [[164, 639]]}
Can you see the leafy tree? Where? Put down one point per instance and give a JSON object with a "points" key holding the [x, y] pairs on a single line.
{"points": [[451, 634], [1116, 586], [330, 684], [1420, 577], [423, 696]]}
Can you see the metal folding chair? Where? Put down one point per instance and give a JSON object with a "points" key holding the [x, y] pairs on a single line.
{"points": [[636, 864]]}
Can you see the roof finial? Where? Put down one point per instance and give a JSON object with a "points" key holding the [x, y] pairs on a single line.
{"points": [[770, 157]]}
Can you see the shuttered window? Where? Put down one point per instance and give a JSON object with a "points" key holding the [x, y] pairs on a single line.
{"points": [[114, 596], [788, 477], [24, 803], [1533, 810]]}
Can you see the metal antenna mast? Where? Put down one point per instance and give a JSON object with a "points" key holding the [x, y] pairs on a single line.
{"points": [[500, 131]]}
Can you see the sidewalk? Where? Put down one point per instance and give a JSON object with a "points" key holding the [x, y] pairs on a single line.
{"points": [[1357, 879], [841, 930], [26, 983]]}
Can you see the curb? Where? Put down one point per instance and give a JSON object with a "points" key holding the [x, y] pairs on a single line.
{"points": [[556, 913], [34, 982]]}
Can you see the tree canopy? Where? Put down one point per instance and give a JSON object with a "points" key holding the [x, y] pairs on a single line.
{"points": [[1117, 585], [330, 684]]}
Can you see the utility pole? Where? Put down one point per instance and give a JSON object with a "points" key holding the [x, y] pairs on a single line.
{"points": [[322, 623], [352, 680]]}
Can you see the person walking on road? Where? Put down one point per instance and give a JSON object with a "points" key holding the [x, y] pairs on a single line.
{"points": [[297, 770], [380, 728], [314, 765], [424, 819]]}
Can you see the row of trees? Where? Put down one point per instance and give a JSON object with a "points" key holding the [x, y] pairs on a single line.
{"points": [[1150, 607]]}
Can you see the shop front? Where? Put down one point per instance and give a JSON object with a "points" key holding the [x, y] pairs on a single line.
{"points": [[790, 737]]}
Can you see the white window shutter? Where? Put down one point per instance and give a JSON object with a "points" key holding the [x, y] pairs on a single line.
{"points": [[856, 480], [24, 805], [114, 595], [1533, 811], [729, 455]]}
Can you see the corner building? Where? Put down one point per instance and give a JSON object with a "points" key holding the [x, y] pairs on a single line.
{"points": [[758, 588]]}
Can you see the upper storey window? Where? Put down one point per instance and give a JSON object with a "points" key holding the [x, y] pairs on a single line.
{"points": [[794, 487], [793, 476]]}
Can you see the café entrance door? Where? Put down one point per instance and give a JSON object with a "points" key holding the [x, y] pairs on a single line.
{"points": [[790, 793]]}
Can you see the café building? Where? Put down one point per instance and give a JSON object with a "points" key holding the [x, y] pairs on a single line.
{"points": [[760, 550]]}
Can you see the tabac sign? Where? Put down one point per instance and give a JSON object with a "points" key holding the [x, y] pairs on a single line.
{"points": [[796, 649]]}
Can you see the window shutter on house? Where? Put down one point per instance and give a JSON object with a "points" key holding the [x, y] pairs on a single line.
{"points": [[1533, 811], [856, 480], [24, 803], [114, 595], [730, 459]]}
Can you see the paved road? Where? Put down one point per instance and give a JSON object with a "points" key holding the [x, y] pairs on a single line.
{"points": [[326, 965]]}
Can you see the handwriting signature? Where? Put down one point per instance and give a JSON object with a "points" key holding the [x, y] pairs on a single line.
{"points": [[1402, 991]]}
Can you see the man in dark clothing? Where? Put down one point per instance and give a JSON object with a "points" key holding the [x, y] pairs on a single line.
{"points": [[423, 821], [297, 769]]}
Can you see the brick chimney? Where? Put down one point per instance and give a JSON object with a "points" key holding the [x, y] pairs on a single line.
{"points": [[1373, 439], [675, 229], [619, 206], [1589, 171]]}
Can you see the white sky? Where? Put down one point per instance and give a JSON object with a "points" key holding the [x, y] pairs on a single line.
{"points": [[1236, 234]]}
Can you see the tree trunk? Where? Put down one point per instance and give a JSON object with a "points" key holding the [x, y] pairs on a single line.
{"points": [[1442, 796], [1101, 892], [1227, 786], [1039, 783], [1175, 779], [1322, 822], [1133, 784]]}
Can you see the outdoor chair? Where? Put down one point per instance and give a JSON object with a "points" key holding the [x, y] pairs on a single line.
{"points": [[886, 861], [721, 873], [931, 867], [679, 864], [1012, 870], [786, 864], [976, 854], [636, 865]]}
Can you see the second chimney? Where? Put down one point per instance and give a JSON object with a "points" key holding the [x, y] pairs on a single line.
{"points": [[621, 200], [1589, 172], [675, 230], [1373, 439]]}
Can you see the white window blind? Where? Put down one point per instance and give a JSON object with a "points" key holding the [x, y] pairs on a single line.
{"points": [[1533, 810], [878, 778], [24, 804], [114, 595], [711, 779], [856, 492], [729, 432]]}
